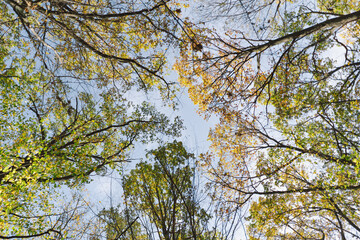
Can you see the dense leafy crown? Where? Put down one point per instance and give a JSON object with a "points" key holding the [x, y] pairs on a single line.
{"points": [[67, 69]]}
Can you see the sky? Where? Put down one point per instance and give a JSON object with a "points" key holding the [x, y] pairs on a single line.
{"points": [[194, 138]]}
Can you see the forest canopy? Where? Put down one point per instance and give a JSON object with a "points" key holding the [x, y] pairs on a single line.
{"points": [[66, 69], [282, 77], [286, 89]]}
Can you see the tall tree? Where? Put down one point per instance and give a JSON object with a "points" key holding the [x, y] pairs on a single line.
{"points": [[163, 193], [287, 92], [163, 200], [66, 71], [45, 142]]}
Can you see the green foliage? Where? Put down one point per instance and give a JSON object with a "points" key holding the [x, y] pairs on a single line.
{"points": [[162, 192], [121, 224], [66, 71]]}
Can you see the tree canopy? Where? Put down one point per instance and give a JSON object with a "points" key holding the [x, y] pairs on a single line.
{"points": [[281, 76], [286, 89], [165, 192], [66, 71]]}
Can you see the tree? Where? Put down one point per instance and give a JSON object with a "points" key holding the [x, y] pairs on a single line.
{"points": [[66, 68], [101, 40], [286, 90], [46, 143], [163, 194], [162, 200]]}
